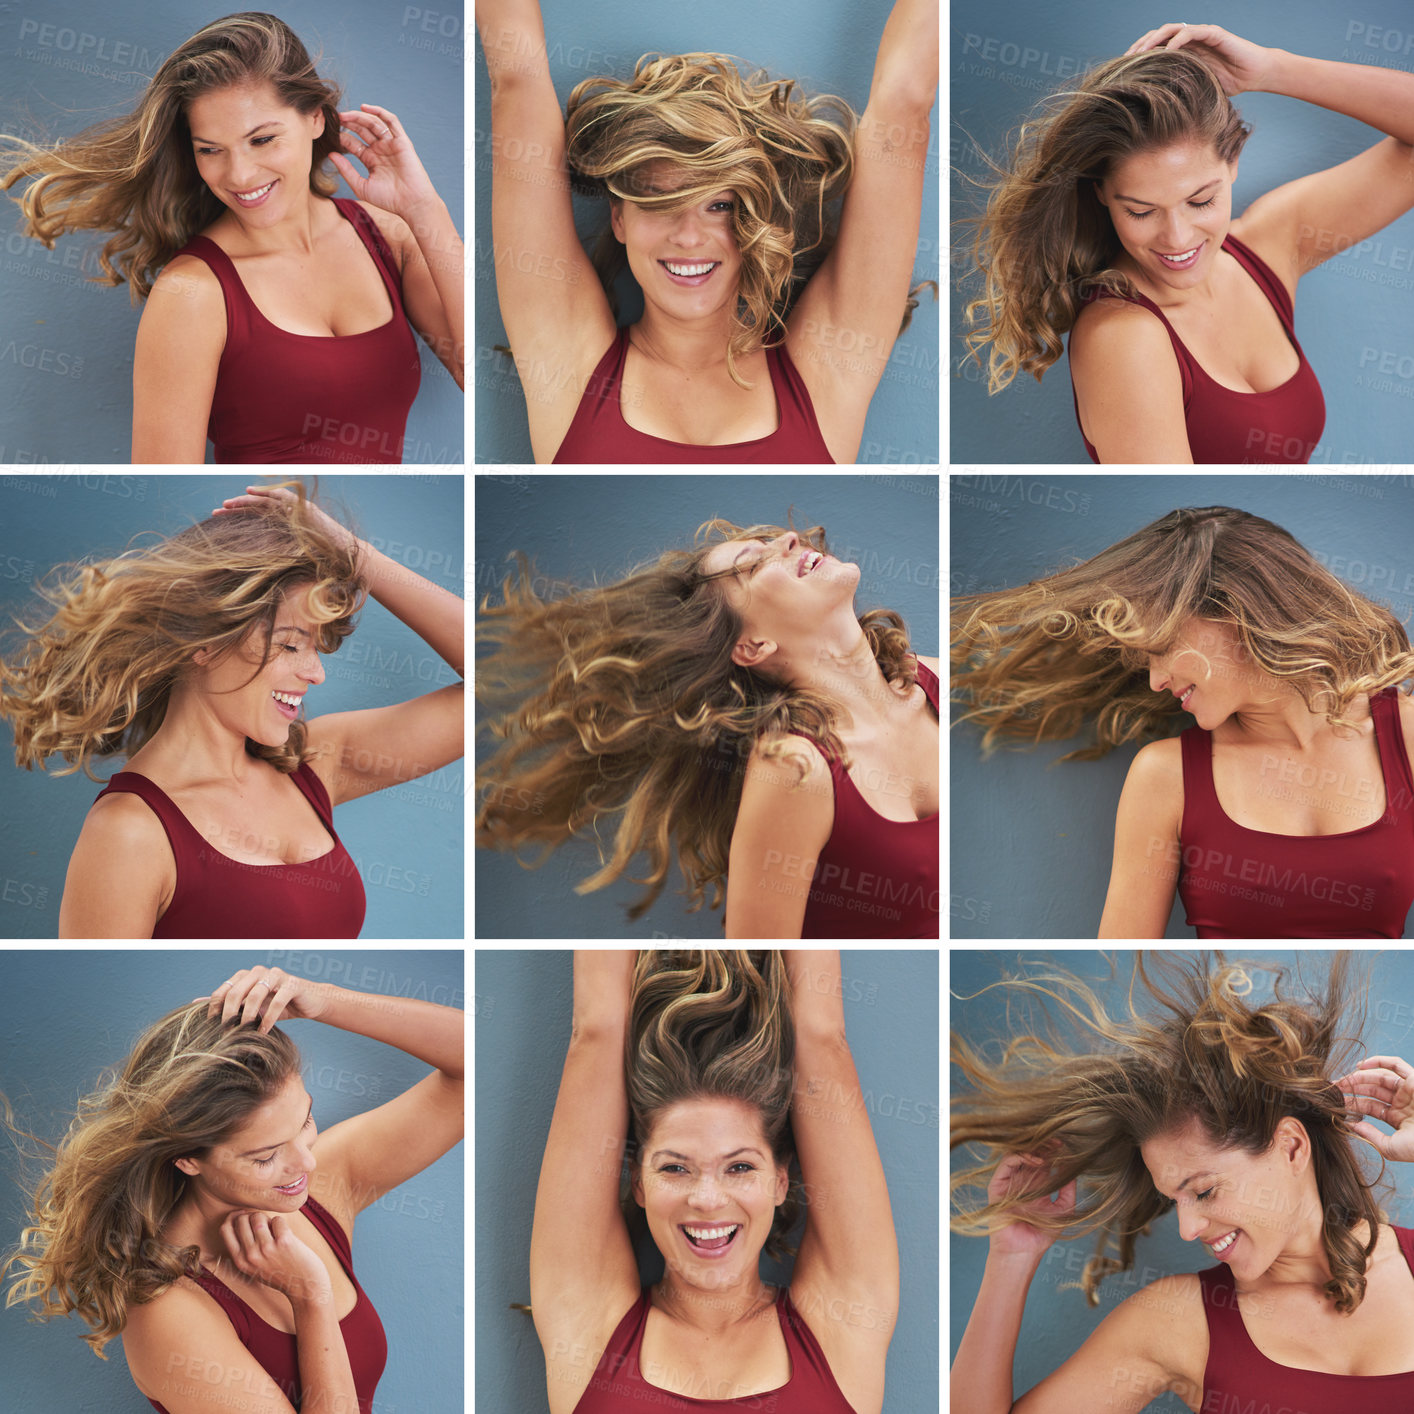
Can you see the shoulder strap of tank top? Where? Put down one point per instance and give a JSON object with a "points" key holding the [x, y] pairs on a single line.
{"points": [[1228, 1342], [928, 679], [372, 237], [1266, 279], [181, 834], [333, 1233], [1180, 350], [237, 1312], [312, 788], [1405, 1237], [1199, 793], [1394, 757], [238, 303]]}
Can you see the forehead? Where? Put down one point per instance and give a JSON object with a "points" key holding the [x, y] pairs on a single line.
{"points": [[1175, 171], [240, 106], [1179, 1154], [705, 1128]]}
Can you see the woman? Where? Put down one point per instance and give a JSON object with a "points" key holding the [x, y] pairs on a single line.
{"points": [[276, 316], [695, 1060], [763, 335], [192, 659], [194, 1208], [1287, 809], [1235, 1115], [732, 708], [1113, 223]]}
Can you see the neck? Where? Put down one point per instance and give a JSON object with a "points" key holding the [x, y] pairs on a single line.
{"points": [[197, 1222], [716, 1309], [694, 347], [842, 668], [194, 746], [1285, 720], [296, 232]]}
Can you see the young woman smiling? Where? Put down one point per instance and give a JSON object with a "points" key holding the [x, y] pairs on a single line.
{"points": [[764, 334], [722, 1072], [1114, 223], [193, 659]]}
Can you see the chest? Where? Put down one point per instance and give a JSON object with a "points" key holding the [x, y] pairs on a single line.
{"points": [[265, 822], [896, 771], [273, 1307], [705, 410], [1329, 791], [1238, 338], [750, 1359], [333, 290], [1301, 1328]]}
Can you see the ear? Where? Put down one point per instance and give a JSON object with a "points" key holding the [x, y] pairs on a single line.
{"points": [[636, 1187], [616, 219], [1100, 193], [782, 1183], [1293, 1143], [752, 652], [190, 1167], [318, 125], [202, 657]]}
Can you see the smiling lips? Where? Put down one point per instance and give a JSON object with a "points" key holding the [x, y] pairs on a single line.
{"points": [[711, 1241], [689, 272], [808, 562], [255, 196], [1223, 1244], [1185, 695], [1183, 260]]}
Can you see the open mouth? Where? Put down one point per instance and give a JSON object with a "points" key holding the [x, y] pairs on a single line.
{"points": [[711, 1241], [296, 1188], [1183, 699], [256, 196], [689, 272], [808, 561], [287, 704], [1184, 260], [1224, 1245]]}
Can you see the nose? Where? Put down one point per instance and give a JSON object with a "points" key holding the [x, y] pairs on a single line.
{"points": [[1158, 676], [312, 667], [687, 230], [706, 1194], [788, 542], [1177, 233], [1191, 1224]]}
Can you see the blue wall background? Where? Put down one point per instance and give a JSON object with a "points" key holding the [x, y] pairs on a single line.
{"points": [[576, 527], [1350, 312], [1057, 1322], [522, 1001], [66, 1016], [407, 841], [66, 346], [829, 46], [1031, 846]]}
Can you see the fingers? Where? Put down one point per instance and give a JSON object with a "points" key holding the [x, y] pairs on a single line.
{"points": [[248, 995]]}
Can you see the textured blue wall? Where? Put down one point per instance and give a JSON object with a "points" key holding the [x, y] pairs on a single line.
{"points": [[1353, 313], [576, 527], [66, 1016], [522, 1005], [1057, 1322], [1031, 846], [66, 346], [829, 46], [407, 841]]}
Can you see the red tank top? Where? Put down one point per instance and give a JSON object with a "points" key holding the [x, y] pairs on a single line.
{"points": [[875, 878], [283, 397], [1284, 424], [1239, 1379], [219, 897], [278, 1351], [600, 434], [618, 1386], [1241, 883]]}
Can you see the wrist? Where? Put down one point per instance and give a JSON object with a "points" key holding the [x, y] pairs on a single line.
{"points": [[1282, 74]]}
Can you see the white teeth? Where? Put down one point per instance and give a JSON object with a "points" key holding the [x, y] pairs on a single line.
{"points": [[1187, 693], [1222, 1246], [288, 698], [1179, 259], [814, 560], [254, 195], [709, 1233], [688, 270]]}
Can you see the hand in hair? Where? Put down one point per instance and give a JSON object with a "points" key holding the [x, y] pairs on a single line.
{"points": [[1240, 65], [397, 181], [258, 498], [266, 994], [1383, 1088], [266, 1249], [1017, 1175]]}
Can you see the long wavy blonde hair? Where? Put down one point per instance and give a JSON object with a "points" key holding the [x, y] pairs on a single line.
{"points": [[787, 157], [713, 1024], [137, 176], [94, 1244], [1203, 1051], [1045, 240], [94, 680], [623, 700], [1039, 662]]}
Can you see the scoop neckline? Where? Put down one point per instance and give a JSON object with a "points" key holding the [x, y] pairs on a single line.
{"points": [[290, 333]]}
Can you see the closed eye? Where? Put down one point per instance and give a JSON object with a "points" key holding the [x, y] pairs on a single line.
{"points": [[254, 142], [1196, 205]]}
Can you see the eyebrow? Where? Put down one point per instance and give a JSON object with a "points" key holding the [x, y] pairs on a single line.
{"points": [[269, 123], [291, 628], [1120, 196], [270, 1148], [672, 1154]]}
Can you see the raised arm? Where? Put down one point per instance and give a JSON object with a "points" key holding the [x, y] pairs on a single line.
{"points": [[1301, 223], [555, 311], [846, 1277], [583, 1275], [844, 325], [356, 753]]}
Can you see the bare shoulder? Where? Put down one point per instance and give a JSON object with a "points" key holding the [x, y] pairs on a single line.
{"points": [[124, 823], [802, 758], [1112, 330], [152, 1330], [186, 309], [392, 228], [187, 277], [122, 873]]}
